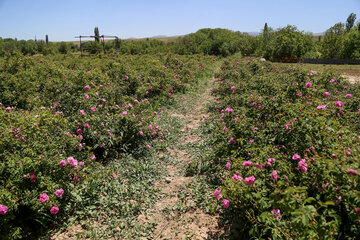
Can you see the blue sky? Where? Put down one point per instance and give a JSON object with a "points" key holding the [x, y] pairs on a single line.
{"points": [[62, 20]]}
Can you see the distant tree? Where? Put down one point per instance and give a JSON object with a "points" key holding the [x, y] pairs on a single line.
{"points": [[288, 42], [97, 35], [265, 40], [63, 48], [41, 45], [350, 21], [47, 39], [266, 33]]}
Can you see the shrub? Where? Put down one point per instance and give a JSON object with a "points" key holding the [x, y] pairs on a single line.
{"points": [[285, 154]]}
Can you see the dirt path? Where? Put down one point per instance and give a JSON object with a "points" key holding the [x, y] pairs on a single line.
{"points": [[352, 79], [176, 214]]}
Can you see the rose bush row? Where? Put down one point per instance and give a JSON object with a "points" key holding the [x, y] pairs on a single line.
{"points": [[59, 115], [286, 151]]}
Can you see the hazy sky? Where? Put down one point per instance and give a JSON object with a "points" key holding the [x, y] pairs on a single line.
{"points": [[65, 19]]}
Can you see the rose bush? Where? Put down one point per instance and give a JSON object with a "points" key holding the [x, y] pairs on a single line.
{"points": [[294, 165], [60, 114]]}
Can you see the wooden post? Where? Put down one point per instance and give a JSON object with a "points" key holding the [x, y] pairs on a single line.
{"points": [[103, 40], [80, 48]]}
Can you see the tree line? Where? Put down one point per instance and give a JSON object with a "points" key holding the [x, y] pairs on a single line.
{"points": [[341, 41]]}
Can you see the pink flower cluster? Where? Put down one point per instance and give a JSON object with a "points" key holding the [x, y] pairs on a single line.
{"points": [[339, 103], [229, 110], [270, 161], [237, 177], [303, 165], [72, 161], [217, 195]]}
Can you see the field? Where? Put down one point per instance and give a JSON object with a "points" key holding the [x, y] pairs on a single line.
{"points": [[165, 146]]}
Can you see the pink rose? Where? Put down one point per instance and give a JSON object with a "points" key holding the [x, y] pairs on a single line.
{"points": [[86, 126], [217, 194], [348, 95], [87, 88], [321, 107], [339, 103], [62, 163], [43, 197], [54, 210], [308, 84], [148, 146], [59, 192], [250, 180], [326, 94], [247, 163], [93, 109], [227, 166], [225, 203], [32, 177], [70, 160], [296, 156], [352, 172], [261, 166], [86, 96], [3, 209], [276, 214], [82, 112], [274, 175]]}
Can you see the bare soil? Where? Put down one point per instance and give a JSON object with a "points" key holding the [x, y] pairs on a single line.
{"points": [[352, 79]]}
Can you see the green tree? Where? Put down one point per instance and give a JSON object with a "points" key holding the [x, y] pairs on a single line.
{"points": [[350, 21], [333, 43], [97, 35], [47, 39], [352, 45], [266, 33], [288, 42]]}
